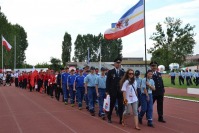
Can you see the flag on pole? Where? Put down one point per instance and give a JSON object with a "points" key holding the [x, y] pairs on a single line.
{"points": [[131, 21], [6, 44]]}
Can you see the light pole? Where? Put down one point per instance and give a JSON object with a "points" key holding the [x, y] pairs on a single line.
{"points": [[25, 65]]}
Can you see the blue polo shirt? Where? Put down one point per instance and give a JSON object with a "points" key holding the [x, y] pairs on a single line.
{"points": [[71, 79], [139, 82], [64, 77], [173, 74], [101, 81], [80, 81], [90, 80], [85, 74], [143, 86]]}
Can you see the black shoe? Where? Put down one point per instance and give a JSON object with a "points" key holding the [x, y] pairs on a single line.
{"points": [[92, 113], [140, 120], [162, 120], [120, 122], [150, 125], [109, 121]]}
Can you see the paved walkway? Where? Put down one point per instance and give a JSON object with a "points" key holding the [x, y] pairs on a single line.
{"points": [[22, 111]]}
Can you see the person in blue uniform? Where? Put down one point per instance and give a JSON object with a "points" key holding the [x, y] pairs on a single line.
{"points": [[100, 83], [191, 75], [89, 83], [71, 89], [64, 77], [79, 85], [188, 77], [181, 77], [147, 87], [139, 81], [173, 75], [158, 93], [113, 89]]}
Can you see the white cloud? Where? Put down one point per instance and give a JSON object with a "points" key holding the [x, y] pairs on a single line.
{"points": [[46, 21]]}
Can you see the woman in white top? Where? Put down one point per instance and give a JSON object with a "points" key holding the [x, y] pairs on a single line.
{"points": [[129, 89]]}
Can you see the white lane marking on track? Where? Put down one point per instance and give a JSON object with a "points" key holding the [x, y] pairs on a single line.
{"points": [[196, 101], [49, 113], [170, 129], [182, 119], [10, 109]]}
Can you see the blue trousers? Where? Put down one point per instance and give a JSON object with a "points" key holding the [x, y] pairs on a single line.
{"points": [[65, 92], [91, 98], [102, 95], [72, 94], [147, 107], [86, 99], [80, 95], [139, 97]]}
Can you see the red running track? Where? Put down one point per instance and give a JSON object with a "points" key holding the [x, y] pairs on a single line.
{"points": [[22, 111]]}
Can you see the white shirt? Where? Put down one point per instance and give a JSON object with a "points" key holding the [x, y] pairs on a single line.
{"points": [[16, 75], [130, 92]]}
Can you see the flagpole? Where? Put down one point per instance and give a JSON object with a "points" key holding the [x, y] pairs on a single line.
{"points": [[145, 37], [15, 53], [88, 56], [2, 51], [100, 56]]}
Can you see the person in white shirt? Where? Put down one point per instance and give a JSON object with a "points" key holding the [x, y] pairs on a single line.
{"points": [[129, 89]]}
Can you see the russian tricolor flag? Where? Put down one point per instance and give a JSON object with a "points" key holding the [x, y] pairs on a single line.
{"points": [[6, 44], [131, 21]]}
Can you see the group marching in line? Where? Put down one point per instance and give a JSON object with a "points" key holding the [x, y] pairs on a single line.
{"points": [[127, 90], [185, 75]]}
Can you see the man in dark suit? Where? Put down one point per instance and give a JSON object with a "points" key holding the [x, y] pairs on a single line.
{"points": [[113, 88], [158, 94]]}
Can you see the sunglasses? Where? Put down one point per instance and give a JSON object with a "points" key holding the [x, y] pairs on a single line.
{"points": [[131, 73]]}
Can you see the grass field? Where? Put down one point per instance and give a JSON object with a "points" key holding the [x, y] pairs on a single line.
{"points": [[167, 83]]}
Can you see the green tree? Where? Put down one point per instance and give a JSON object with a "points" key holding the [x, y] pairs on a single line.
{"points": [[55, 63], [173, 42], [110, 49], [42, 65], [66, 48]]}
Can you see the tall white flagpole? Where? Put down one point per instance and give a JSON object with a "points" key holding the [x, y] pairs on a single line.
{"points": [[100, 56], [2, 51], [15, 53], [145, 36]]}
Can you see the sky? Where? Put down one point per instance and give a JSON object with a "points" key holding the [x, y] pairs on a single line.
{"points": [[46, 22]]}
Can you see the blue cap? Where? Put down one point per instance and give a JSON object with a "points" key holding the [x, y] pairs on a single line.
{"points": [[103, 69]]}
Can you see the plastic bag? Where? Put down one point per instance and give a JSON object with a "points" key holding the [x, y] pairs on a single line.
{"points": [[106, 104]]}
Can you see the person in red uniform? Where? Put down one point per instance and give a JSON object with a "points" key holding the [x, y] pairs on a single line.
{"points": [[40, 80], [51, 82], [20, 80], [25, 80], [48, 77]]}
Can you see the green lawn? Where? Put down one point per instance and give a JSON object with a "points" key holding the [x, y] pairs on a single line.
{"points": [[167, 83]]}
